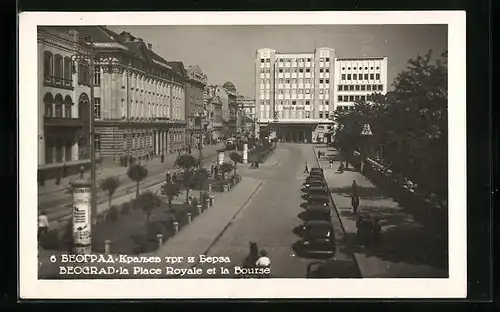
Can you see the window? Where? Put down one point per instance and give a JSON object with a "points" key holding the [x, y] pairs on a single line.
{"points": [[378, 67], [351, 98], [47, 100], [83, 74], [357, 97], [371, 68], [321, 81], [309, 59], [327, 103], [308, 102], [67, 68], [47, 64], [374, 87], [321, 70], [280, 70], [346, 98], [343, 68], [97, 143], [348, 68], [380, 87], [294, 80], [363, 87], [343, 77], [327, 91], [287, 80], [308, 91], [67, 107], [354, 77], [97, 76], [339, 98], [301, 70], [307, 114], [321, 59], [97, 107], [357, 87], [327, 70], [340, 87], [371, 77], [320, 91], [369, 87], [268, 60], [354, 68], [327, 80], [280, 80], [320, 115], [308, 70], [351, 88], [294, 102], [366, 76], [327, 59], [262, 60], [300, 91], [363, 98], [58, 66], [377, 76], [67, 151], [369, 97], [348, 76], [59, 109], [326, 115]]}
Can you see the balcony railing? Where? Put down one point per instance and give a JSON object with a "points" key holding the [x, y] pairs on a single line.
{"points": [[58, 82]]}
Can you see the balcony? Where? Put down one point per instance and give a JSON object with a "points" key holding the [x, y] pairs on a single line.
{"points": [[58, 82], [63, 122]]}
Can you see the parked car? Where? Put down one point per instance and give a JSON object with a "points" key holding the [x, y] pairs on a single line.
{"points": [[333, 268], [318, 238], [318, 199], [315, 184], [318, 190], [316, 169], [317, 212]]}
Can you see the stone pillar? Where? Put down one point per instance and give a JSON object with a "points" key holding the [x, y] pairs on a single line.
{"points": [[157, 142]]}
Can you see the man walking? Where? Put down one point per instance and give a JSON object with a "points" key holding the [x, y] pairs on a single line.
{"points": [[43, 224], [354, 188], [355, 203], [306, 168]]}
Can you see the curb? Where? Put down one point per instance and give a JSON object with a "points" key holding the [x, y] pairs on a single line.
{"points": [[227, 225], [338, 216]]}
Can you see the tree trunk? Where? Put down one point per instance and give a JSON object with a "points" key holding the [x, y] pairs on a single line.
{"points": [[137, 190], [187, 194], [170, 204], [109, 200], [234, 168]]}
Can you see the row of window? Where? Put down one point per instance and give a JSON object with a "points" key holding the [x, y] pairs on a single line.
{"points": [[268, 60], [294, 102], [360, 77], [352, 98], [57, 66], [361, 87], [360, 68], [57, 151]]}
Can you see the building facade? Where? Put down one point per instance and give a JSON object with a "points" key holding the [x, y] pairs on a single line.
{"points": [[214, 112], [139, 98], [232, 96], [195, 106], [297, 93], [247, 105], [63, 104]]}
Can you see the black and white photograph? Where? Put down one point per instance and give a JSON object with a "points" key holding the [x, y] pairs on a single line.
{"points": [[198, 155]]}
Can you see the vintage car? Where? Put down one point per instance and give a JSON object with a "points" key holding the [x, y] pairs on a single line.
{"points": [[318, 238]]}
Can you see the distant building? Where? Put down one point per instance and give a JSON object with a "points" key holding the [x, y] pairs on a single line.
{"points": [[139, 98], [214, 111], [296, 94], [195, 88], [63, 104], [230, 90], [247, 105]]}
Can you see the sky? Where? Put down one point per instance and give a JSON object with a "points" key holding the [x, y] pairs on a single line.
{"points": [[227, 53]]}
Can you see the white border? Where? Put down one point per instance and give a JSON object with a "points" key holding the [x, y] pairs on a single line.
{"points": [[31, 287]]}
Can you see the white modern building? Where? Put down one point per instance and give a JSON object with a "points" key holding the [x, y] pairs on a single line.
{"points": [[297, 93]]}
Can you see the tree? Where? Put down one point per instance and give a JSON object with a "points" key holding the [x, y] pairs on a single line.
{"points": [[171, 191], [148, 201], [236, 158], [186, 162], [193, 179], [410, 123], [226, 168], [137, 173], [110, 185]]}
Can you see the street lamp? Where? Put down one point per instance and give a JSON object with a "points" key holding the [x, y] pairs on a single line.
{"points": [[365, 133], [89, 57]]}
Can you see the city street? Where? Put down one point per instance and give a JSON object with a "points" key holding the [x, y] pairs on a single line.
{"points": [[271, 215], [57, 204]]}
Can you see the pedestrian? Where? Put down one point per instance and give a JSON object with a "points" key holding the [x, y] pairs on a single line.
{"points": [[306, 170], [168, 178], [43, 224], [263, 261], [331, 163], [319, 154], [346, 165], [361, 227], [355, 204], [341, 168], [354, 188], [376, 228]]}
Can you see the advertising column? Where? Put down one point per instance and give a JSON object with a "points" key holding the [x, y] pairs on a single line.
{"points": [[245, 153], [81, 217]]}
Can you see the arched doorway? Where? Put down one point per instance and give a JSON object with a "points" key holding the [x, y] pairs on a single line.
{"points": [[68, 103], [58, 106]]}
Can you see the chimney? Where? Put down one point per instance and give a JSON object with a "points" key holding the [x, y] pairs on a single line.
{"points": [[150, 46]]}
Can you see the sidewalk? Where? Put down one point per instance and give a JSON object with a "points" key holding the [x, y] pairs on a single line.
{"points": [[196, 238], [119, 171], [406, 249]]}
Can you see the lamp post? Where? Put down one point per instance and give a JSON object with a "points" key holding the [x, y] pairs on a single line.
{"points": [[86, 54], [365, 133]]}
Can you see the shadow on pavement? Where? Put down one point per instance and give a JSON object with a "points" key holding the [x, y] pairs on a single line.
{"points": [[305, 196], [400, 240], [371, 193], [303, 190], [303, 205]]}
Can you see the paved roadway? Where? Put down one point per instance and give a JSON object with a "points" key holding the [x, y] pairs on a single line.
{"points": [[271, 215]]}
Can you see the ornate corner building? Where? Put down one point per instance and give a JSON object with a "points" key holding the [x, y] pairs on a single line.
{"points": [[195, 105]]}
